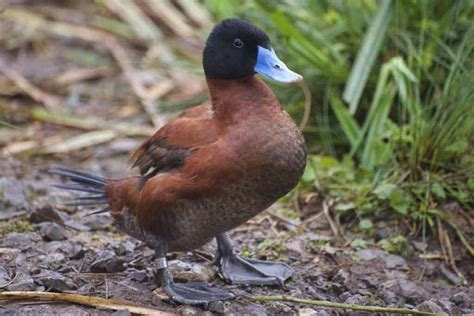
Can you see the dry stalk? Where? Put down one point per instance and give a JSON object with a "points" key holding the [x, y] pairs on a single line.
{"points": [[51, 102], [85, 300], [98, 37], [372, 309]]}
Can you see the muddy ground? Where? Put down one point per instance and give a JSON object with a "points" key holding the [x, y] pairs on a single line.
{"points": [[46, 246]]}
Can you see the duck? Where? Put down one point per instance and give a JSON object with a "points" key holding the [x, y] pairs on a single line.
{"points": [[211, 169]]}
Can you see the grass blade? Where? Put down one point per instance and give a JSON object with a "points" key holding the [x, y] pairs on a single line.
{"points": [[366, 56], [348, 123]]}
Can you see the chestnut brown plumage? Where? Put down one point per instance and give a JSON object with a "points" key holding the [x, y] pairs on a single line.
{"points": [[209, 170]]}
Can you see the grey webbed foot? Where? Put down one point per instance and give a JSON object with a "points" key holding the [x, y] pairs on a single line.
{"points": [[240, 270], [191, 293]]}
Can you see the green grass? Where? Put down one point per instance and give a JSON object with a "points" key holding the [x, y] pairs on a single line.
{"points": [[392, 122]]}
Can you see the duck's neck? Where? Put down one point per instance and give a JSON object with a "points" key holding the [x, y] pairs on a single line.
{"points": [[235, 100]]}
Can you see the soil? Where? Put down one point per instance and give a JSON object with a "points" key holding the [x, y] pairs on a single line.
{"points": [[47, 246]]}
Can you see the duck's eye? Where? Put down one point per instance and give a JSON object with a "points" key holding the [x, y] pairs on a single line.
{"points": [[238, 43]]}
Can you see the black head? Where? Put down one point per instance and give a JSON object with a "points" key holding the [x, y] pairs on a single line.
{"points": [[231, 49]]}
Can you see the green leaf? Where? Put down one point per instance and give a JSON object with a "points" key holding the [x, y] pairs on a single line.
{"points": [[366, 224], [470, 184], [383, 190], [438, 191], [457, 147], [343, 207], [400, 201], [367, 55], [359, 243], [309, 175], [348, 123], [385, 244]]}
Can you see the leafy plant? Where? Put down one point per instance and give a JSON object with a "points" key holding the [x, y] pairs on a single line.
{"points": [[392, 122]]}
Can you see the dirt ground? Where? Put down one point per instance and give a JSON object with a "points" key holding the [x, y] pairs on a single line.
{"points": [[56, 248]]}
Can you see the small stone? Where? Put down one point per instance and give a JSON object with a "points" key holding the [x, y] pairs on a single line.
{"points": [[445, 304], [22, 283], [13, 194], [280, 309], [55, 260], [45, 214], [184, 271], [52, 231], [4, 275], [369, 254], [217, 307], [387, 296], [341, 277], [189, 311], [462, 299], [107, 262], [22, 241], [139, 276], [429, 306], [395, 261], [408, 289], [55, 282], [76, 252], [25, 285], [358, 299], [306, 312]]}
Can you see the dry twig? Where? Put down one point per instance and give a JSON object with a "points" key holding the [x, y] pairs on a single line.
{"points": [[51, 102], [146, 95], [372, 309], [334, 227], [85, 300]]}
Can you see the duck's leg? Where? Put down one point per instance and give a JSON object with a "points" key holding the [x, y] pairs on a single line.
{"points": [[191, 293], [241, 270]]}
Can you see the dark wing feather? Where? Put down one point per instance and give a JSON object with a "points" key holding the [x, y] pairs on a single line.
{"points": [[173, 143]]}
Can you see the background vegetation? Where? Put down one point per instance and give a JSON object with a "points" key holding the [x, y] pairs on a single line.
{"points": [[392, 117]]}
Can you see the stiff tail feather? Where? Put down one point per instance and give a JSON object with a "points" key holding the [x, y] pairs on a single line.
{"points": [[84, 182]]}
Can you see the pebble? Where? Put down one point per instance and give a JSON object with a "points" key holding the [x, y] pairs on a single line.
{"points": [[25, 285], [358, 299], [280, 309], [185, 271], [341, 277], [462, 299], [217, 307], [108, 262], [189, 311], [429, 306], [4, 275], [138, 275], [55, 282], [53, 260], [46, 214], [76, 252], [22, 241], [408, 289], [395, 261], [22, 283], [52, 231], [306, 312], [369, 254]]}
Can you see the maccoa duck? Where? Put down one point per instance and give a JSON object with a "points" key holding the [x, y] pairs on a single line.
{"points": [[212, 168]]}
